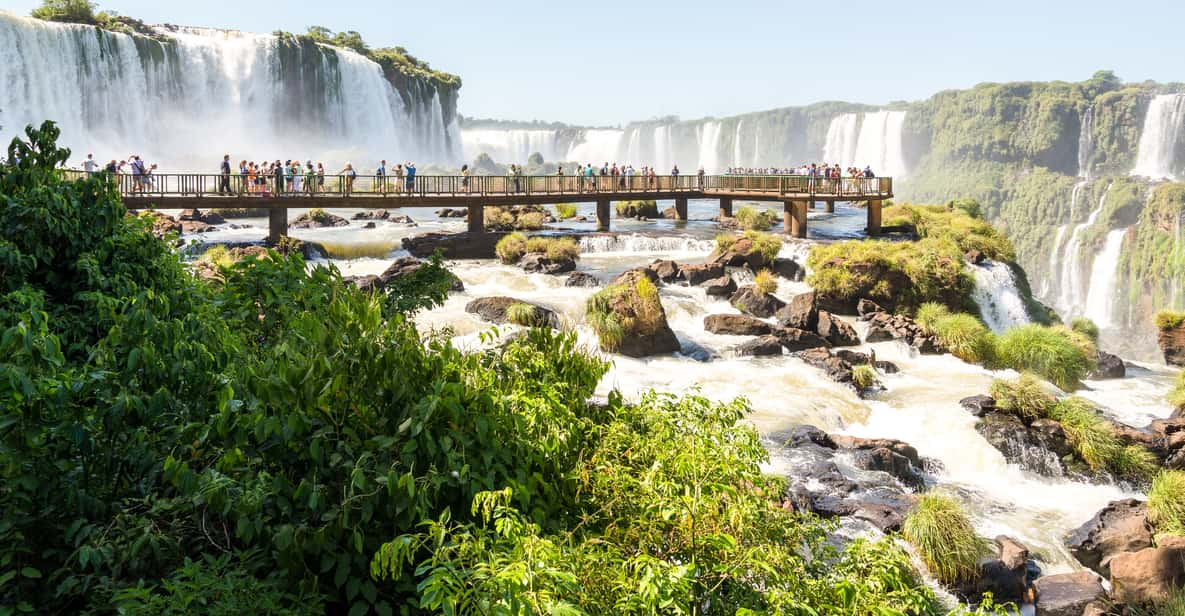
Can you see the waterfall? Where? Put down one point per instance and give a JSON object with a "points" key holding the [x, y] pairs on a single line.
{"points": [[662, 147], [1085, 144], [1162, 130], [1100, 299], [1070, 290], [510, 146], [998, 297], [186, 101], [637, 243], [840, 146], [596, 146], [1049, 284], [737, 160], [879, 144], [709, 148]]}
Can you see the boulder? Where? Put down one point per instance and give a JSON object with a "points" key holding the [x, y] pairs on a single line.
{"points": [[1172, 344], [453, 245], [974, 257], [888, 461], [449, 212], [403, 220], [1039, 447], [493, 309], [1006, 577], [749, 300], [646, 331], [1122, 526], [795, 340], [209, 217], [801, 313], [542, 264], [631, 276], [866, 308], [741, 254], [761, 346], [822, 358], [737, 325], [1110, 367], [194, 226], [697, 274], [857, 443], [979, 405], [835, 331], [370, 225], [1067, 594], [406, 266], [582, 279], [803, 435], [162, 224], [788, 269], [372, 215], [667, 271], [723, 286], [1150, 575], [317, 219]]}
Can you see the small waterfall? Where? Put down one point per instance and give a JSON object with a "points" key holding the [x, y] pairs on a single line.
{"points": [[709, 148], [840, 146], [1071, 292], [1162, 129], [510, 146], [596, 146], [637, 243], [662, 147], [737, 160], [1085, 144], [1048, 286], [998, 297], [879, 144], [1100, 299]]}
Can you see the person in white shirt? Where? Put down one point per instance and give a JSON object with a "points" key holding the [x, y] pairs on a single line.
{"points": [[89, 165]]}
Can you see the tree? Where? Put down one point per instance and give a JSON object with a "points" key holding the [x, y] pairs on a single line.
{"points": [[69, 11]]}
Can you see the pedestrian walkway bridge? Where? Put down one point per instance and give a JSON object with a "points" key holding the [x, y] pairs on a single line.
{"points": [[212, 191]]}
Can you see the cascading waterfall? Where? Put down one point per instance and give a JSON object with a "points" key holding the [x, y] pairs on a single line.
{"points": [[1070, 292], [842, 135], [186, 101], [737, 160], [1049, 284], [709, 148], [870, 139], [998, 297], [1158, 140], [1085, 144], [1100, 299], [510, 145], [596, 146]]}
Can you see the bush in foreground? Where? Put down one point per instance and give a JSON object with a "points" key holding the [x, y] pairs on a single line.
{"points": [[1049, 352], [1166, 503], [957, 224], [966, 337], [751, 218], [1086, 327], [942, 532]]}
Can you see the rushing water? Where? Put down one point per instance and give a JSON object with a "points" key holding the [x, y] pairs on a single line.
{"points": [[187, 102], [1100, 299], [1158, 140], [1071, 287], [998, 297]]}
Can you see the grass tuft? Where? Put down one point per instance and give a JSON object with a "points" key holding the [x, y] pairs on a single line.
{"points": [[765, 282], [1086, 327], [522, 314], [1051, 353], [562, 249], [966, 337], [1177, 395], [511, 248], [863, 376], [942, 532], [753, 219], [928, 314], [767, 245], [724, 242], [217, 255], [1167, 319], [1026, 396], [1166, 503], [565, 210]]}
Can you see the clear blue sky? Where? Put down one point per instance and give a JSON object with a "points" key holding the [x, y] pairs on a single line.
{"points": [[613, 61]]}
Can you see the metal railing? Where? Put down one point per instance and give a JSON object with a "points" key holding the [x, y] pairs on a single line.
{"points": [[426, 186]]}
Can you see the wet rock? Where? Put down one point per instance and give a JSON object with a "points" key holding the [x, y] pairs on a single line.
{"points": [[162, 224], [888, 461], [795, 340], [1036, 448], [822, 358], [883, 326], [1110, 367], [974, 257], [761, 346], [1150, 575], [1006, 577], [835, 331], [697, 352], [407, 266], [647, 336], [803, 435], [403, 220], [667, 271], [866, 308], [979, 405], [788, 269], [723, 286], [1172, 344], [369, 282], [801, 313], [369, 225], [827, 475], [1067, 594], [741, 254], [697, 274], [449, 212], [494, 310], [749, 300], [887, 515], [582, 279], [737, 325], [195, 226], [542, 264], [317, 219], [372, 215], [1121, 526], [856, 443], [855, 358], [887, 367]]}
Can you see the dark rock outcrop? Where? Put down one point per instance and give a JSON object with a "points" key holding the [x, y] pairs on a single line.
{"points": [[210, 217], [889, 461], [542, 264], [453, 245], [1151, 575], [649, 332], [796, 340], [723, 286], [316, 219], [761, 346], [736, 325], [372, 215], [1067, 594], [194, 226], [883, 326], [835, 331], [801, 313], [1039, 447], [979, 405], [788, 269], [494, 310], [1172, 344], [1110, 367], [742, 253], [449, 212], [699, 273], [582, 279], [749, 300], [822, 358], [1121, 526], [667, 271], [1006, 576]]}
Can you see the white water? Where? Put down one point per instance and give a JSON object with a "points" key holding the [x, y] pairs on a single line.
{"points": [[1158, 141], [596, 146], [510, 146], [218, 93], [636, 244], [1071, 289], [709, 148], [1048, 285], [998, 297], [879, 144], [1100, 299], [1085, 144], [842, 135], [737, 159]]}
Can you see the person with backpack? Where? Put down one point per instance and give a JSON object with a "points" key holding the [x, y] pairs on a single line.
{"points": [[348, 174], [381, 177], [410, 167]]}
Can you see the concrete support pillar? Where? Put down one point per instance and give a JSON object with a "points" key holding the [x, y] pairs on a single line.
{"points": [[830, 207], [814, 204], [874, 217], [794, 218], [680, 208], [477, 219], [277, 225], [726, 207], [603, 214]]}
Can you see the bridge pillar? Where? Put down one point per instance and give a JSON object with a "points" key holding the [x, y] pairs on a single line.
{"points": [[814, 204], [725, 207], [680, 208], [794, 218], [874, 217], [830, 207], [603, 214], [277, 224], [477, 219]]}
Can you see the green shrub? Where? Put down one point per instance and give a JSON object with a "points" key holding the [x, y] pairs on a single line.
{"points": [[530, 221], [216, 255], [318, 214], [724, 242], [1174, 605], [751, 218], [768, 245], [1134, 462], [1026, 396], [562, 249], [68, 11], [511, 248], [1166, 503], [966, 337], [521, 313], [942, 532], [1166, 319], [640, 311], [1086, 327], [765, 282], [1048, 352], [956, 223], [900, 276], [863, 376], [633, 209], [1087, 434], [565, 211], [928, 315], [498, 219], [538, 244]]}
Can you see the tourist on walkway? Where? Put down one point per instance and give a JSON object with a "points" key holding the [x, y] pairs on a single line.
{"points": [[224, 181], [465, 178], [700, 175], [348, 174], [381, 177], [411, 176], [320, 178], [278, 173], [399, 178], [89, 165]]}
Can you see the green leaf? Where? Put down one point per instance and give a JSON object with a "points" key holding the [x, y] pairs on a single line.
{"points": [[31, 573]]}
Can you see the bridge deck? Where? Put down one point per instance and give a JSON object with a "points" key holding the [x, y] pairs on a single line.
{"points": [[211, 191]]}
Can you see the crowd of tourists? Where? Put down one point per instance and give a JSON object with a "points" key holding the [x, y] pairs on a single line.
{"points": [[295, 177], [815, 170], [142, 173]]}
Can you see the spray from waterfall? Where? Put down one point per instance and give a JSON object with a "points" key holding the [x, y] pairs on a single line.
{"points": [[998, 297], [1100, 299]]}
